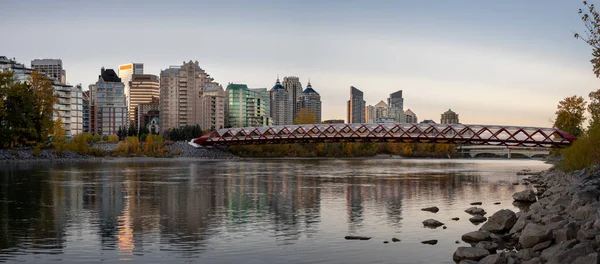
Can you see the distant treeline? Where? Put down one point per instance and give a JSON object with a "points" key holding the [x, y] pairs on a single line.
{"points": [[349, 149]]}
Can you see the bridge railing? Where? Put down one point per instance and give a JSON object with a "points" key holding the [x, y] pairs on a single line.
{"points": [[408, 133]]}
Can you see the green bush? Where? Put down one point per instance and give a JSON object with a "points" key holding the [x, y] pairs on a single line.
{"points": [[104, 137], [584, 152]]}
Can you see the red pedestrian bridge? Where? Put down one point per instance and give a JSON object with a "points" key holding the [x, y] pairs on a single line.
{"points": [[406, 133]]}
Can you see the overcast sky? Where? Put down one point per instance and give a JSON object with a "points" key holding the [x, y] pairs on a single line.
{"points": [[494, 62]]}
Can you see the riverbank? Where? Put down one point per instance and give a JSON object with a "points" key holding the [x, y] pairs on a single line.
{"points": [[176, 150], [559, 222]]}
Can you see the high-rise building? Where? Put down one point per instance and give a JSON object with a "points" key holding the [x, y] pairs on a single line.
{"points": [[356, 106], [247, 107], [281, 107], [126, 72], [52, 68], [21, 73], [396, 107], [110, 108], [370, 114], [294, 89], [180, 103], [381, 111], [411, 117], [148, 116], [449, 117], [86, 112], [311, 101], [142, 88], [93, 129], [212, 107], [76, 114]]}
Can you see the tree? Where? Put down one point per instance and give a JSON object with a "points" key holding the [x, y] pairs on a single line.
{"points": [[59, 136], [45, 99], [591, 20], [594, 107], [305, 117], [569, 116]]}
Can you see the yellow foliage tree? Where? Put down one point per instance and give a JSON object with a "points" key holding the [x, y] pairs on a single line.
{"points": [[59, 136], [594, 107], [113, 138], [569, 116], [305, 117]]}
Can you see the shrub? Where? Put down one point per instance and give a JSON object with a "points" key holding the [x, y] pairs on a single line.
{"points": [[37, 150], [122, 149], [113, 138], [584, 152], [96, 138], [80, 143], [134, 145], [104, 137], [154, 146]]}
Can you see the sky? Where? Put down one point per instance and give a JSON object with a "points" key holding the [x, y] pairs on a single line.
{"points": [[493, 62]]}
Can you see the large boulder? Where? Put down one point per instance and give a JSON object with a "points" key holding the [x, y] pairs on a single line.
{"points": [[432, 223], [525, 196], [566, 233], [570, 255], [475, 211], [470, 253], [499, 258], [478, 219], [501, 221], [488, 245], [476, 236], [554, 250], [533, 234]]}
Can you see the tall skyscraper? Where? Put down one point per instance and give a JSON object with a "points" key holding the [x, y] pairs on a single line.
{"points": [[86, 112], [247, 107], [281, 107], [396, 107], [126, 71], [212, 107], [294, 89], [110, 108], [370, 114], [449, 117], [53, 68], [142, 88], [311, 101], [356, 106], [180, 87]]}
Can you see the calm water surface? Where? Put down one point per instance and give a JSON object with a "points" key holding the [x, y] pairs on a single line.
{"points": [[258, 211]]}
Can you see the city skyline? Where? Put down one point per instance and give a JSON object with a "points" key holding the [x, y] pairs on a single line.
{"points": [[535, 62]]}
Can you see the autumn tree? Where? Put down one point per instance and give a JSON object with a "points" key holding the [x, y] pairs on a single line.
{"points": [[305, 117], [591, 19], [45, 99], [594, 107], [569, 116], [59, 135]]}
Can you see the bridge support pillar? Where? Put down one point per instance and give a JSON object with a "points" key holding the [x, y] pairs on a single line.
{"points": [[508, 153]]}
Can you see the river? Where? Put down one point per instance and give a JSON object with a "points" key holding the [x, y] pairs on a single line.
{"points": [[246, 211]]}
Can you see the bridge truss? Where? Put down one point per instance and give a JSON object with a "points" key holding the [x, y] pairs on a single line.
{"points": [[407, 133]]}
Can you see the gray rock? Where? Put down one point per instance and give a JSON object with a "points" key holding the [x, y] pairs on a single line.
{"points": [[385, 242], [542, 246], [591, 258], [533, 234], [395, 239], [468, 261], [476, 211], [500, 221], [525, 196], [566, 233], [476, 236], [476, 203], [488, 245], [586, 234], [477, 219], [572, 254], [432, 209], [520, 224], [552, 219], [497, 203], [429, 242], [499, 258], [470, 253], [586, 212], [527, 254], [432, 223], [558, 248], [455, 218], [535, 260]]}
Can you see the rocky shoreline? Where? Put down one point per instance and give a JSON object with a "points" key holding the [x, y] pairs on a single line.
{"points": [[559, 222], [179, 149]]}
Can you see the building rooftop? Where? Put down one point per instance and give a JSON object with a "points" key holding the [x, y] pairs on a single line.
{"points": [[236, 86], [449, 112], [109, 75], [309, 89], [381, 104], [277, 86]]}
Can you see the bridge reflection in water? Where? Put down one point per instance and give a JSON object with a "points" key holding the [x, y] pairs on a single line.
{"points": [[503, 151], [406, 133]]}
